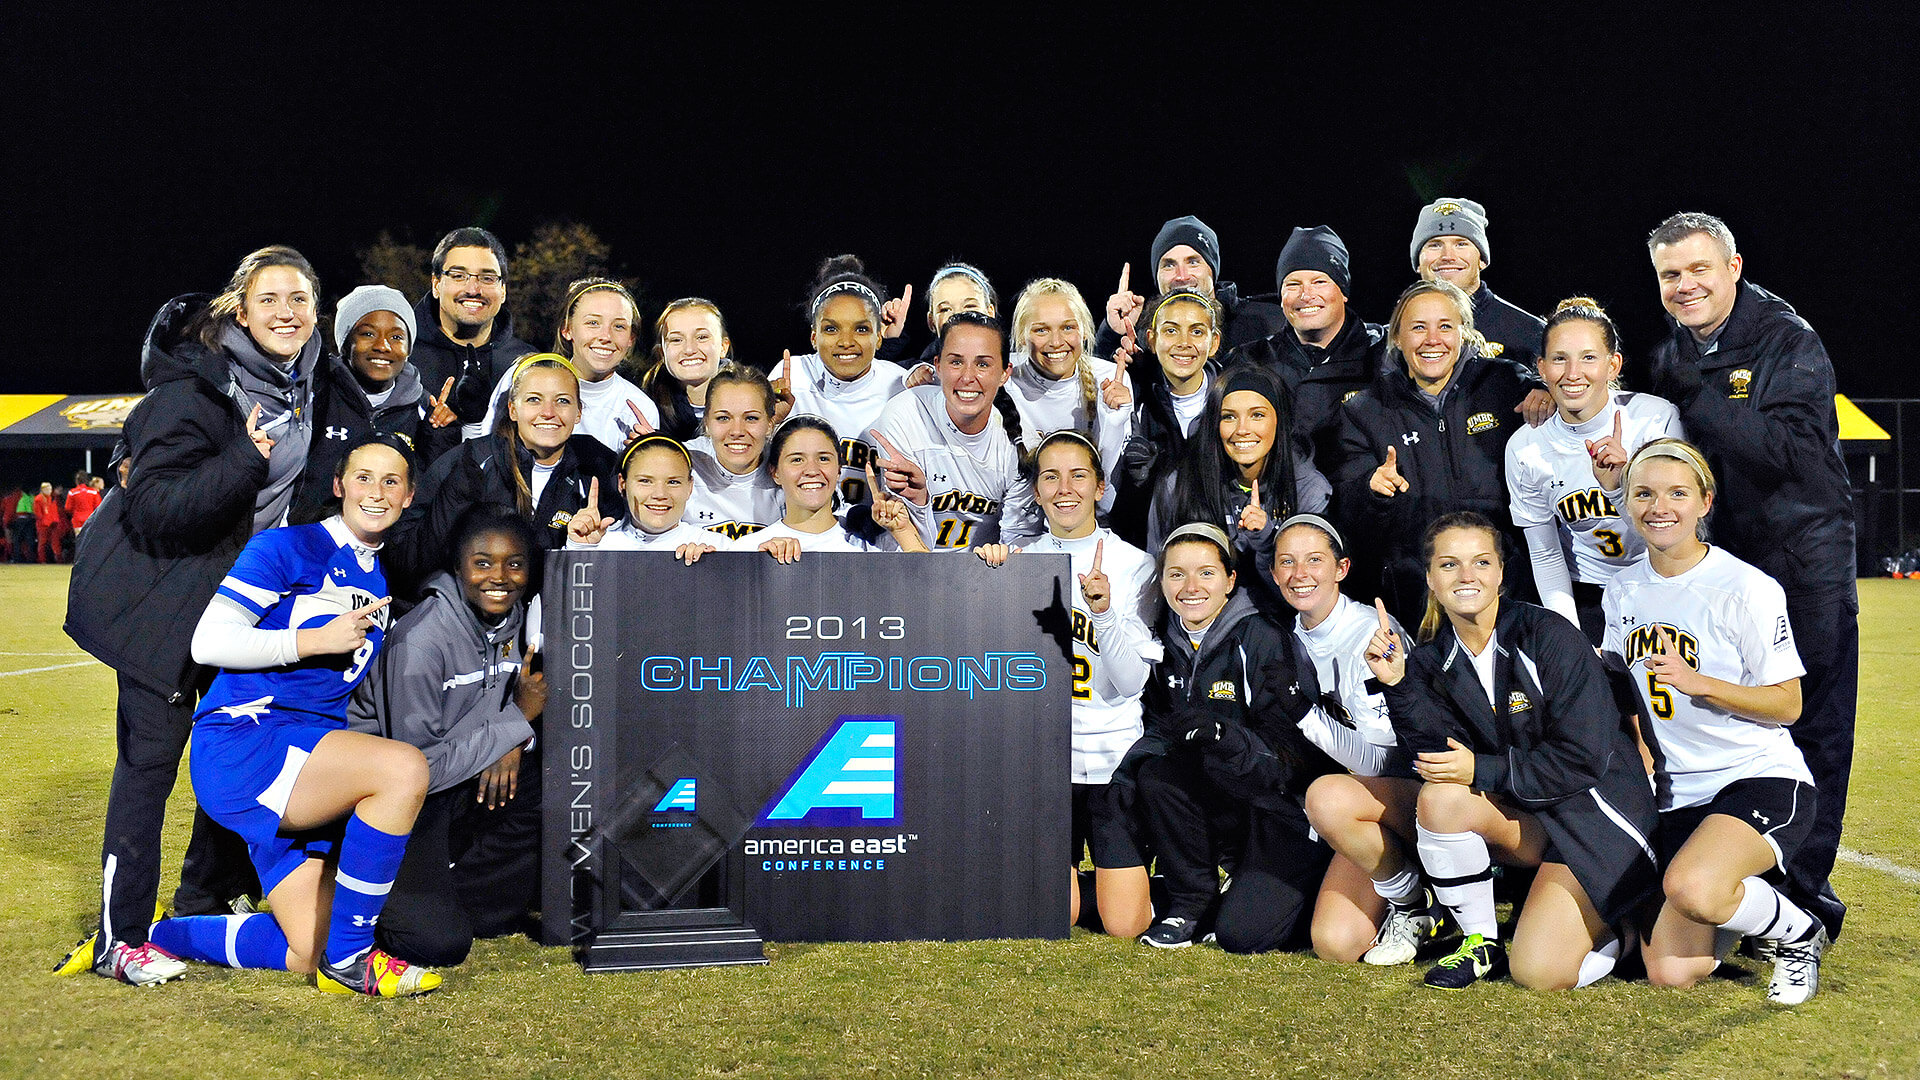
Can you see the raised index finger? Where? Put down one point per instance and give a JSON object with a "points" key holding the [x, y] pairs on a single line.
{"points": [[1667, 644], [1256, 491], [879, 490], [1126, 271], [1380, 607], [891, 450], [373, 607], [445, 391], [593, 494], [1617, 435], [253, 418], [1099, 548]]}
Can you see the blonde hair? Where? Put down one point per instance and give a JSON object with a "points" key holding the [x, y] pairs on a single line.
{"points": [[1082, 316], [1686, 454], [506, 427], [1462, 307]]}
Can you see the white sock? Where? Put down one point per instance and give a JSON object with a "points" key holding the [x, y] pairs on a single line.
{"points": [[1599, 963], [1764, 913], [1400, 890], [1462, 876]]}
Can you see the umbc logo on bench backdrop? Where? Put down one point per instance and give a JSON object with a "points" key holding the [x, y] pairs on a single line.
{"points": [[848, 779]]}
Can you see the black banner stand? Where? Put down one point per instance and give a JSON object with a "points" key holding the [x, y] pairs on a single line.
{"points": [[852, 748]]}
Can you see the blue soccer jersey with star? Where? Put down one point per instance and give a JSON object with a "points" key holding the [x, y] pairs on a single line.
{"points": [[299, 578]]}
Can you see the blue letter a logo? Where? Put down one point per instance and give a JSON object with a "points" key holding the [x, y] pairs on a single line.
{"points": [[847, 780], [678, 797]]}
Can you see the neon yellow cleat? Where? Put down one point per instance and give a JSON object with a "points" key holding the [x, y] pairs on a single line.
{"points": [[376, 974]]}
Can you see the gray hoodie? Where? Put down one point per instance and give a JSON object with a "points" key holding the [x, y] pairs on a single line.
{"points": [[444, 682]]}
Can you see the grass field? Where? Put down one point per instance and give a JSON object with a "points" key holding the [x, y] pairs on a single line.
{"points": [[1088, 1007]]}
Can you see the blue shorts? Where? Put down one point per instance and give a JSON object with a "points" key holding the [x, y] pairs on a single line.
{"points": [[244, 768]]}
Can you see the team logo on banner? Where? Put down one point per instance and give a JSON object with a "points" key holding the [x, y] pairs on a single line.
{"points": [[678, 797], [847, 780]]}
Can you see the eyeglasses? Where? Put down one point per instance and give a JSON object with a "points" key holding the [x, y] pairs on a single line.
{"points": [[484, 277]]}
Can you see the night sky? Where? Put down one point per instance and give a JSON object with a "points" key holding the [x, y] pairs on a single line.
{"points": [[724, 155]]}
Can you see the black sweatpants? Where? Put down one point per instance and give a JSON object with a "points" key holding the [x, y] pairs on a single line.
{"points": [[150, 733], [468, 872], [1826, 628], [1277, 872]]}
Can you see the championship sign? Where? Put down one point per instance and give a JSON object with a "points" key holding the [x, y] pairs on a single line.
{"points": [[847, 748]]}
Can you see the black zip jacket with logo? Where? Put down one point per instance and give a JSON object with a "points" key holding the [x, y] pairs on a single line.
{"points": [[1555, 745], [1761, 407], [1452, 458]]}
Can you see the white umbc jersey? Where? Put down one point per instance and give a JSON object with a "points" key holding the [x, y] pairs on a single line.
{"points": [[834, 539], [1550, 481], [1338, 648], [1730, 621], [1047, 405], [967, 489], [1113, 652], [851, 407], [628, 536], [728, 503], [606, 409]]}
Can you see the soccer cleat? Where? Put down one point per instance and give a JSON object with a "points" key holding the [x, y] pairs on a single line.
{"points": [[80, 957], [1172, 932], [375, 974], [1796, 967], [1475, 959], [1401, 934], [139, 965]]}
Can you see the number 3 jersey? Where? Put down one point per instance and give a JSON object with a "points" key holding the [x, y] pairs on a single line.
{"points": [[1550, 479], [1113, 652], [296, 579], [1730, 622]]}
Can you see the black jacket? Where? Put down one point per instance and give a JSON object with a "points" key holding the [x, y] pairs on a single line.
{"points": [[476, 369], [1761, 407], [1556, 746], [1511, 332], [1156, 447], [152, 555], [1247, 321], [342, 414], [1321, 378], [420, 543], [1245, 677], [1454, 459]]}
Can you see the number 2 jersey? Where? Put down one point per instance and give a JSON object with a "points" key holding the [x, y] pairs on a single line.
{"points": [[1113, 652], [1550, 480], [1730, 622], [296, 579]]}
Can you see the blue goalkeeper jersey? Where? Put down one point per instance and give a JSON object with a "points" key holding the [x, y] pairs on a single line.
{"points": [[299, 578]]}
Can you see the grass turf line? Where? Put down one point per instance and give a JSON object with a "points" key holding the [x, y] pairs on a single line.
{"points": [[1088, 1006]]}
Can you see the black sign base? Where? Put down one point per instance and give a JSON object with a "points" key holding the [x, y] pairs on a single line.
{"points": [[698, 937]]}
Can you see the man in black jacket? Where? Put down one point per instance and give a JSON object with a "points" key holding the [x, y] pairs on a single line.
{"points": [[1326, 354], [466, 333], [1186, 255], [1755, 389], [1450, 242]]}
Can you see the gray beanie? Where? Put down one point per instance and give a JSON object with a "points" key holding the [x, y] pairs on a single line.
{"points": [[1451, 217], [363, 302], [1192, 232]]}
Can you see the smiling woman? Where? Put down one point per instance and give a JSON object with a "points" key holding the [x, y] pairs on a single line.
{"points": [[211, 456], [367, 386]]}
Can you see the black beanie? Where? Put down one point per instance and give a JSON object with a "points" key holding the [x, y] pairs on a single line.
{"points": [[1192, 232], [1318, 248]]}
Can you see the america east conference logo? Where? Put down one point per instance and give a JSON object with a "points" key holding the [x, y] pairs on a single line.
{"points": [[848, 779]]}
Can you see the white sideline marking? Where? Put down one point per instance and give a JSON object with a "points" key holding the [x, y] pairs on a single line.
{"points": [[1885, 866], [55, 667]]}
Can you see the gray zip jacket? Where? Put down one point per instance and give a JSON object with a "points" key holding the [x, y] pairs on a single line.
{"points": [[444, 682]]}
